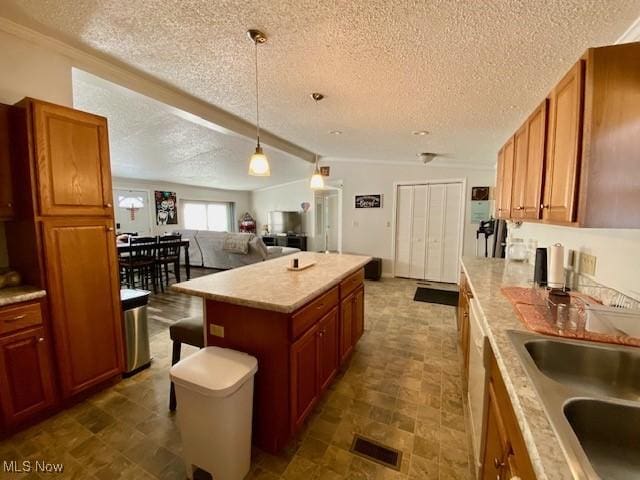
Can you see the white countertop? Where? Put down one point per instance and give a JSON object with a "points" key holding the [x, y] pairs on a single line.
{"points": [[270, 286], [23, 293], [486, 277]]}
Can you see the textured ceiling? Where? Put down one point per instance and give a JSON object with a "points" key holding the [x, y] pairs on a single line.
{"points": [[467, 71], [152, 141]]}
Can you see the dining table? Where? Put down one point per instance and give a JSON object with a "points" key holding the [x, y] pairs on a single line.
{"points": [[126, 247]]}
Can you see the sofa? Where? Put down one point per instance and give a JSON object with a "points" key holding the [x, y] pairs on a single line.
{"points": [[224, 250]]}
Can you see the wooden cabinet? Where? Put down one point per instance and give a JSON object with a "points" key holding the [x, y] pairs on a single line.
{"points": [[26, 370], [358, 315], [564, 147], [314, 363], [505, 453], [580, 164], [530, 142], [463, 326], [6, 188], [71, 153], [83, 288], [346, 327], [505, 164]]}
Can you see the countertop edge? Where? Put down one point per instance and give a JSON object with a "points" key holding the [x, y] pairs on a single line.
{"points": [[22, 297], [540, 465], [287, 309]]}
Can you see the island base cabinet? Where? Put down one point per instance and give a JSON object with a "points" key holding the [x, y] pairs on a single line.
{"points": [[26, 376], [351, 322], [314, 363]]}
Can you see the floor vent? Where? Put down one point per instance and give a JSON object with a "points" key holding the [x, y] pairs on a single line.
{"points": [[376, 452]]}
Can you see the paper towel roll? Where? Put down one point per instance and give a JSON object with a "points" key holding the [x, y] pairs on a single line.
{"points": [[555, 272]]}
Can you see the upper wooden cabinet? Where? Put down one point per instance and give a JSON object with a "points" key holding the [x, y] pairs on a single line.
{"points": [[577, 157], [6, 189], [565, 140], [70, 151], [530, 141]]}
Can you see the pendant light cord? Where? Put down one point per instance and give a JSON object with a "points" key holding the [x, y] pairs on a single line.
{"points": [[257, 99]]}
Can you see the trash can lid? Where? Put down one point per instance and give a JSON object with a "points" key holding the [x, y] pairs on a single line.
{"points": [[214, 371], [130, 298]]}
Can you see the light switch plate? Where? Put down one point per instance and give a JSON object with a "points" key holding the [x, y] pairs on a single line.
{"points": [[216, 330], [587, 264]]}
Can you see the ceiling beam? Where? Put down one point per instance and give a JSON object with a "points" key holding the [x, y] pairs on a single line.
{"points": [[192, 108]]}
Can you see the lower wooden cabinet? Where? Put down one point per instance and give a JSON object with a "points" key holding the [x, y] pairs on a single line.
{"points": [[83, 288], [6, 189], [26, 371], [358, 315], [351, 322], [463, 327], [314, 362]]}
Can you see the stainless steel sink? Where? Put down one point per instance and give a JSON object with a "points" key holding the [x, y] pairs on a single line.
{"points": [[591, 394], [609, 434]]}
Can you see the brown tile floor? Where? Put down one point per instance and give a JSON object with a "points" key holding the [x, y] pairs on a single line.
{"points": [[402, 387]]}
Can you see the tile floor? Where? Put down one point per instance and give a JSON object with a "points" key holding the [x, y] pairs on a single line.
{"points": [[402, 387]]}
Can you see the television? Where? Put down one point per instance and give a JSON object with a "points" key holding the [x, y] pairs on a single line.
{"points": [[285, 222]]}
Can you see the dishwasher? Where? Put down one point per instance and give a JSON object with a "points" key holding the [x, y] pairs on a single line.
{"points": [[135, 330], [477, 381]]}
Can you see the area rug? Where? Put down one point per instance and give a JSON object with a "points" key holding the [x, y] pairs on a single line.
{"points": [[433, 295]]}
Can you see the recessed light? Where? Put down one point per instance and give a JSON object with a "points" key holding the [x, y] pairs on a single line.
{"points": [[336, 132], [420, 133]]}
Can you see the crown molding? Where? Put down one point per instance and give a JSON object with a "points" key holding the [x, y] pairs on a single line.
{"points": [[279, 185], [190, 107], [632, 33], [437, 163]]}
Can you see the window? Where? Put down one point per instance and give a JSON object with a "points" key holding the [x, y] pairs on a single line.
{"points": [[213, 216]]}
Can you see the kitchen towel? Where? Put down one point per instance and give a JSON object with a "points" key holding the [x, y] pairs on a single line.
{"points": [[555, 271], [540, 270]]}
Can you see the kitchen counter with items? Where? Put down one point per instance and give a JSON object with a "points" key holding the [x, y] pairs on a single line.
{"points": [[485, 279], [23, 293]]}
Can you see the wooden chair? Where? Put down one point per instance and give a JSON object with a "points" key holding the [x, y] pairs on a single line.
{"points": [[190, 331], [141, 261], [168, 253]]}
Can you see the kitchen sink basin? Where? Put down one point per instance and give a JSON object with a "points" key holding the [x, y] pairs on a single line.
{"points": [[591, 394], [609, 433], [594, 369]]}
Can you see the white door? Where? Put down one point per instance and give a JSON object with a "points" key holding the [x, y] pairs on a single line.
{"points": [[132, 211], [428, 229]]}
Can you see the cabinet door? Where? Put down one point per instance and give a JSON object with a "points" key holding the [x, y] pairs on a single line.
{"points": [[564, 149], [26, 375], [346, 327], [72, 155], [83, 288], [496, 441], [358, 315], [304, 376], [506, 180], [6, 189], [536, 152], [521, 148], [498, 189], [329, 354]]}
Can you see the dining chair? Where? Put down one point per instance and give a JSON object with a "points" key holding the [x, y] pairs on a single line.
{"points": [[141, 262], [168, 253]]}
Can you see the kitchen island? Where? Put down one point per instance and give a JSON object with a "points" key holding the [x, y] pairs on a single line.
{"points": [[300, 325]]}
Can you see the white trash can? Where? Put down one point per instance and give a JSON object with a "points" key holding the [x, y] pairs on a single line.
{"points": [[214, 393]]}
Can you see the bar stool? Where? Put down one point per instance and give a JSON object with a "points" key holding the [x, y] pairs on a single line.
{"points": [[189, 330]]}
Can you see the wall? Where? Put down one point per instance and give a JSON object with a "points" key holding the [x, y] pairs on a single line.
{"points": [[241, 199], [369, 231], [30, 70], [617, 251]]}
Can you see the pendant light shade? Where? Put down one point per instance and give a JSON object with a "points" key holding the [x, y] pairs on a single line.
{"points": [[259, 163], [317, 180]]}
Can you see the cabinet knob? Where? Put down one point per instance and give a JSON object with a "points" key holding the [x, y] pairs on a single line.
{"points": [[498, 463], [9, 204], [41, 339], [519, 208], [109, 229], [545, 206], [108, 205], [321, 334]]}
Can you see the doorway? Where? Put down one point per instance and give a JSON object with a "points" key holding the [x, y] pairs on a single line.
{"points": [[328, 220], [429, 221]]}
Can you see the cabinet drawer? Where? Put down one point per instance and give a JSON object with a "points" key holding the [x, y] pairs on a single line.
{"points": [[313, 312], [352, 282], [17, 317]]}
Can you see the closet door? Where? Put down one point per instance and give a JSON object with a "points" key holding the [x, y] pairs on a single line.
{"points": [[451, 233], [419, 231], [435, 230], [404, 220]]}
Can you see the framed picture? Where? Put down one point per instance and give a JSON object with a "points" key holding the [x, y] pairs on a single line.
{"points": [[325, 171], [369, 201], [166, 208], [479, 194]]}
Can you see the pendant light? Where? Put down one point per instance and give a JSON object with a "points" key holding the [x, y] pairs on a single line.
{"points": [[258, 164], [317, 180]]}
